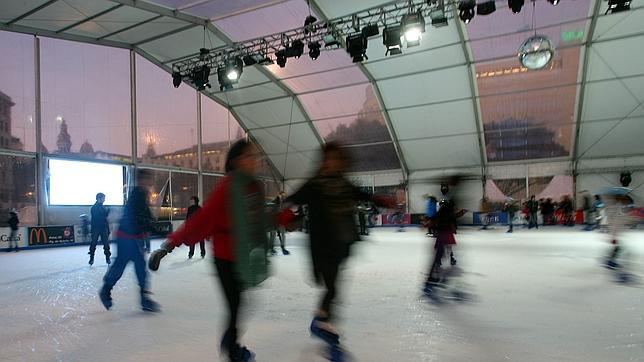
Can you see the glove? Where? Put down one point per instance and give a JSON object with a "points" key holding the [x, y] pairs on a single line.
{"points": [[155, 258]]}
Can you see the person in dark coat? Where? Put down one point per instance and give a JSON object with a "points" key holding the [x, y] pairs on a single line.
{"points": [[202, 244], [100, 228], [533, 208], [331, 199], [13, 235]]}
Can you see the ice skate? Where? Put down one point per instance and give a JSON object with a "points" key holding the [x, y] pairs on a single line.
{"points": [[107, 259], [325, 335], [285, 252], [91, 260], [148, 305], [105, 294]]}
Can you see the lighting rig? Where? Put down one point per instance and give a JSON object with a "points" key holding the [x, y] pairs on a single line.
{"points": [[402, 24]]}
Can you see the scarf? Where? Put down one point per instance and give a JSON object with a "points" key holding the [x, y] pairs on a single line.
{"points": [[249, 231]]}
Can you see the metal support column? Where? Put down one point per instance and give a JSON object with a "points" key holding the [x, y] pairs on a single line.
{"points": [[133, 120], [200, 149], [40, 162]]}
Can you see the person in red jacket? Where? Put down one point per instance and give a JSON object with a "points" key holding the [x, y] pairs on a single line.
{"points": [[234, 217]]}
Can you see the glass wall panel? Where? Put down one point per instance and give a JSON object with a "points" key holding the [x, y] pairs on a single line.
{"points": [[166, 118], [85, 100], [18, 189], [17, 126], [184, 186], [209, 183], [219, 131], [528, 114], [160, 200]]}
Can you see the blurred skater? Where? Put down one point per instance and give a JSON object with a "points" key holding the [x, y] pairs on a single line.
{"points": [[445, 226], [84, 227], [202, 243], [429, 213], [135, 224], [280, 231], [13, 234], [100, 228], [235, 219], [330, 198], [618, 205], [511, 209], [533, 208]]}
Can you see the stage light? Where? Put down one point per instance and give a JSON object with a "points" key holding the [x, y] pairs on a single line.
{"points": [[516, 5], [486, 8], [234, 68], [308, 24], [466, 10], [554, 2], [625, 178], [615, 6], [370, 30], [261, 59], [413, 25], [176, 79], [438, 17], [357, 47], [200, 77], [295, 50], [314, 50], [280, 57], [392, 40]]}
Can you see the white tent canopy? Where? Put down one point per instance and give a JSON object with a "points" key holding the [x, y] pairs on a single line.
{"points": [[459, 100]]}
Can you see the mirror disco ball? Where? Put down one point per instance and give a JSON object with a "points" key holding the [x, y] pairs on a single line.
{"points": [[536, 52]]}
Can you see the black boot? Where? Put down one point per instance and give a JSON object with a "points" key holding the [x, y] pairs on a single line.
{"points": [[91, 259], [107, 259], [285, 252], [106, 296], [147, 304]]}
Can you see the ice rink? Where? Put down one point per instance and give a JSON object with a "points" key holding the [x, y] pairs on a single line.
{"points": [[539, 296]]}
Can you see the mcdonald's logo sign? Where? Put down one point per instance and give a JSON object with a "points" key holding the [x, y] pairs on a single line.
{"points": [[51, 235], [37, 236]]}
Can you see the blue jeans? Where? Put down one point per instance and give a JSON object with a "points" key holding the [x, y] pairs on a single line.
{"points": [[127, 250]]}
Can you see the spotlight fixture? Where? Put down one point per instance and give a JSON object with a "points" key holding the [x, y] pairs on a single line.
{"points": [[438, 17], [357, 47], [466, 10], [176, 79], [370, 30], [413, 25], [295, 50], [488, 7], [234, 68], [615, 6], [200, 77], [308, 24], [280, 58], [204, 54], [257, 58], [314, 50], [516, 5], [392, 40], [554, 2]]}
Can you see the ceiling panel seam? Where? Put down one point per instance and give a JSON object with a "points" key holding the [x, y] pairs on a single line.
{"points": [[584, 75], [156, 17], [65, 36], [89, 18], [31, 12]]}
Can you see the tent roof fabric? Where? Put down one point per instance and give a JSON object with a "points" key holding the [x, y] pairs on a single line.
{"points": [[459, 100]]}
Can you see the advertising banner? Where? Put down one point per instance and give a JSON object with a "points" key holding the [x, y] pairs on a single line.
{"points": [[5, 235], [495, 217], [47, 235]]}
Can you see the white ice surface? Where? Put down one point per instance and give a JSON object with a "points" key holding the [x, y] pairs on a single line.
{"points": [[541, 296]]}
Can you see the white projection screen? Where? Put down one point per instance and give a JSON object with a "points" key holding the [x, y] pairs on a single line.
{"points": [[76, 183]]}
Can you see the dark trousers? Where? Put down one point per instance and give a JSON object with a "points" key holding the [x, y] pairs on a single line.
{"points": [[434, 268], [127, 250], [532, 220], [329, 271], [13, 240], [280, 232], [202, 248], [232, 288], [103, 235], [363, 224]]}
